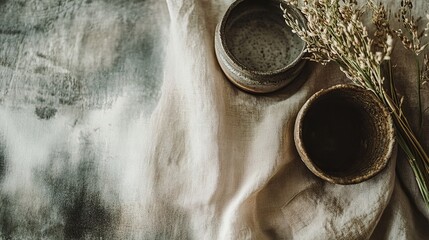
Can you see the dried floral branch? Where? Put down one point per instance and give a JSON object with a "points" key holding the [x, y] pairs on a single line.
{"points": [[414, 39], [425, 74], [380, 19], [410, 35], [334, 32]]}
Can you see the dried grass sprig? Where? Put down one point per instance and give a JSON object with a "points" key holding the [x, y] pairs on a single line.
{"points": [[334, 32], [415, 39], [410, 34]]}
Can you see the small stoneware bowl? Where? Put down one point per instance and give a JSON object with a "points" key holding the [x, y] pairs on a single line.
{"points": [[255, 48], [344, 135]]}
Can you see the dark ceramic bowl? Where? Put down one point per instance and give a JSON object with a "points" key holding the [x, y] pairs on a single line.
{"points": [[255, 48], [344, 134]]}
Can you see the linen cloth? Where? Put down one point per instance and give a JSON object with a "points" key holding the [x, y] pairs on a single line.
{"points": [[116, 122]]}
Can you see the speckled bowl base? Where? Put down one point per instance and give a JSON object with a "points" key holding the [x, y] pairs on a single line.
{"points": [[255, 48]]}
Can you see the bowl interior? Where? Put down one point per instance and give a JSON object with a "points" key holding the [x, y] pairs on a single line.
{"points": [[346, 134], [257, 37]]}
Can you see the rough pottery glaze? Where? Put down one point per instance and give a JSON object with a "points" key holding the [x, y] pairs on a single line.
{"points": [[255, 48], [344, 135]]}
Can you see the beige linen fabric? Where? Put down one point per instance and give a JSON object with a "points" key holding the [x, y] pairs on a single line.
{"points": [[199, 160]]}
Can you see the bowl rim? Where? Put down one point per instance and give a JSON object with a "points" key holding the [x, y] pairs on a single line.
{"points": [[374, 168], [232, 59]]}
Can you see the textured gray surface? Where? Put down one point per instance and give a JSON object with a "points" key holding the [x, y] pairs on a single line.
{"points": [[80, 53], [59, 62]]}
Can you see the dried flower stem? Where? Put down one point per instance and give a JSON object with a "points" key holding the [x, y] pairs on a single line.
{"points": [[413, 38], [334, 32]]}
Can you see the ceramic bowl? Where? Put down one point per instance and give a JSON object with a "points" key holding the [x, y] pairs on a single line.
{"points": [[255, 48], [344, 135]]}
